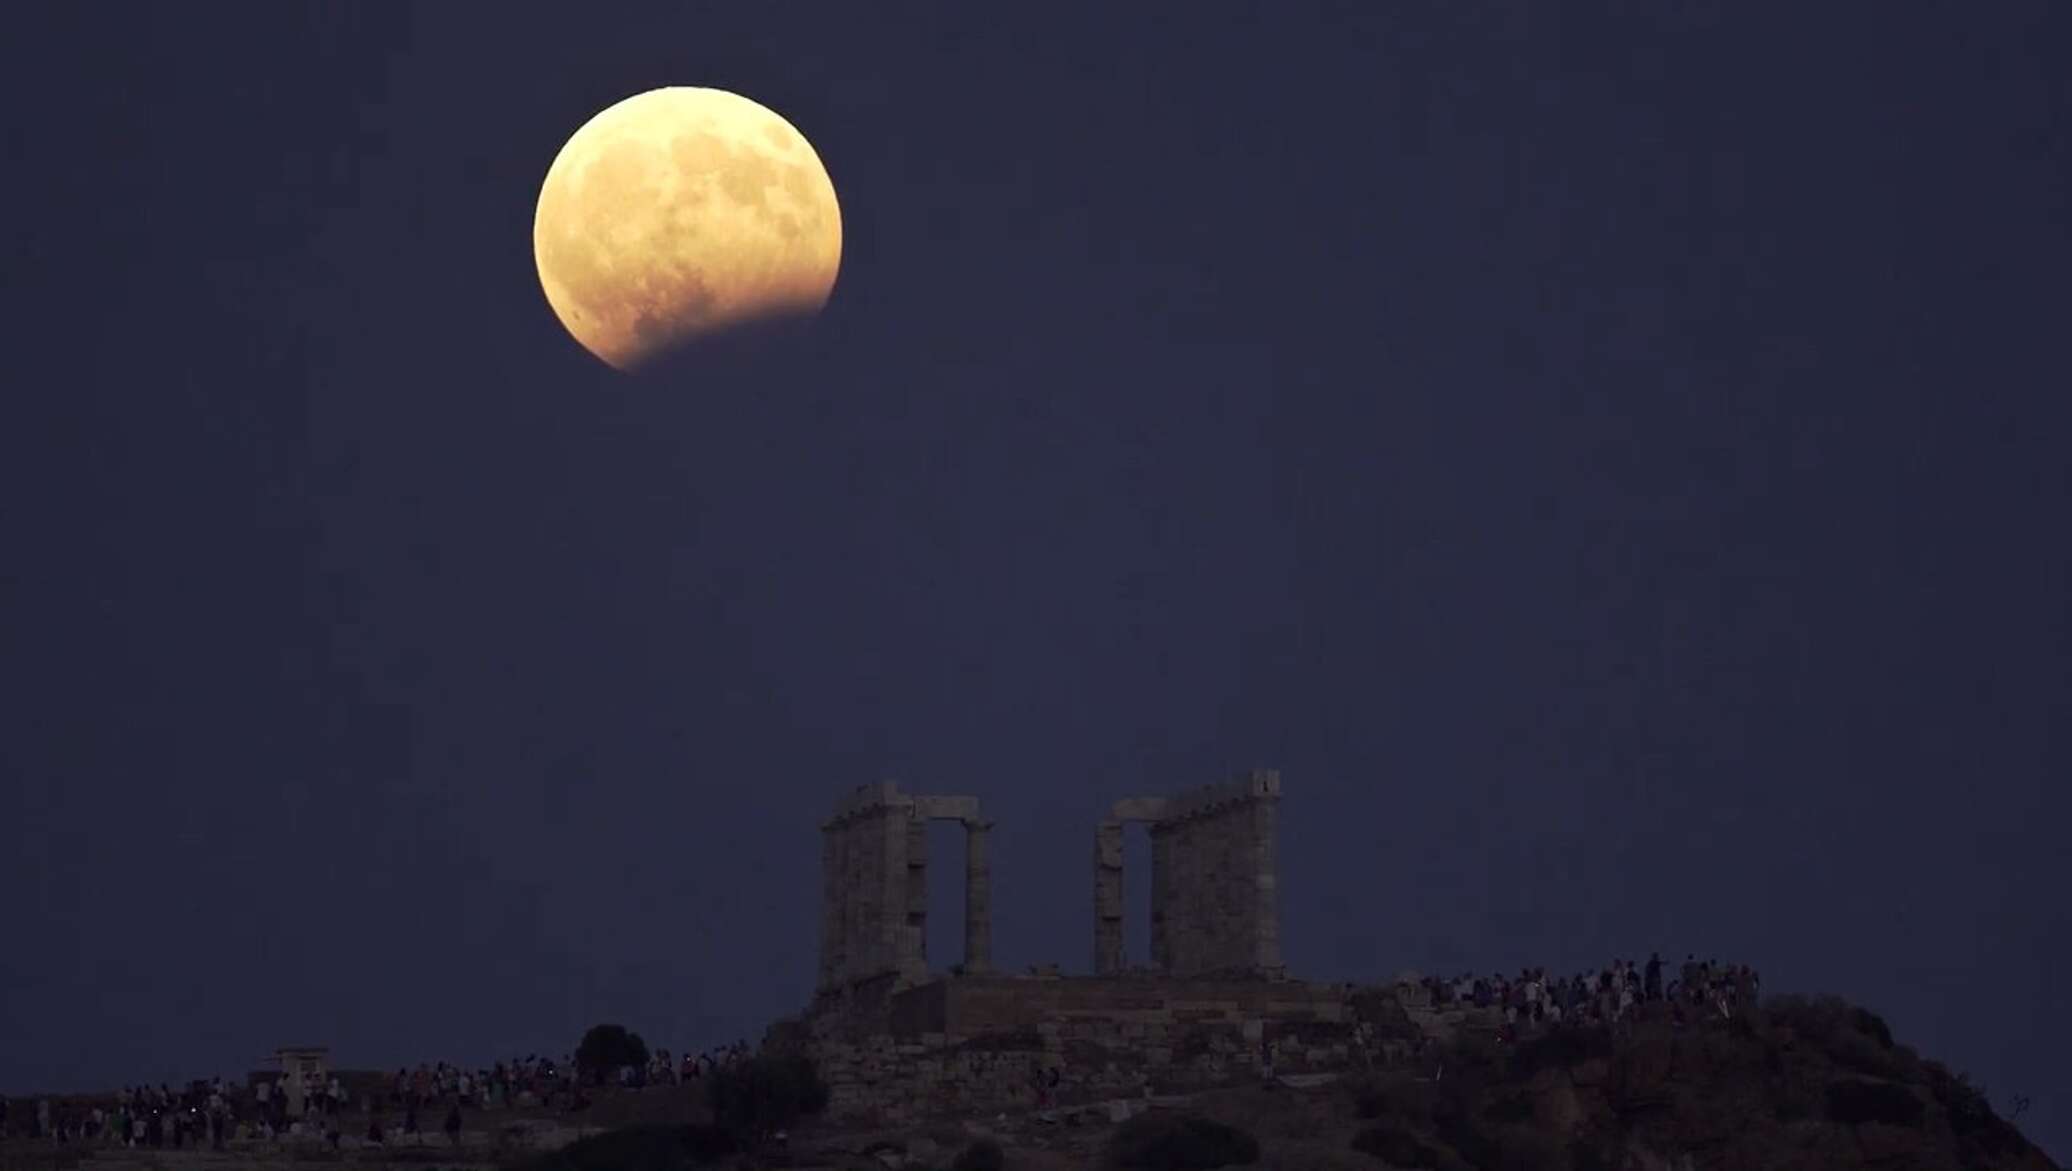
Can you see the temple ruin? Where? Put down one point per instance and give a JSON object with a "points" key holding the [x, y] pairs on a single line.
{"points": [[897, 1037], [874, 896], [1214, 907], [1214, 894]]}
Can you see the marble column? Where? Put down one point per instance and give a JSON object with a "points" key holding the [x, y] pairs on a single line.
{"points": [[1161, 895], [978, 897], [912, 924], [1266, 893], [1108, 898]]}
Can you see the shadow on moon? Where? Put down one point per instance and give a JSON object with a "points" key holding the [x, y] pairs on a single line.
{"points": [[751, 350]]}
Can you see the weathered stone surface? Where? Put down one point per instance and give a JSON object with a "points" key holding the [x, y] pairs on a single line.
{"points": [[874, 885], [1214, 881], [978, 896], [978, 1043]]}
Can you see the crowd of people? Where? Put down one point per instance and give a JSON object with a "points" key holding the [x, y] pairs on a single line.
{"points": [[219, 1111], [267, 1108], [139, 1116], [545, 1081], [1608, 996]]}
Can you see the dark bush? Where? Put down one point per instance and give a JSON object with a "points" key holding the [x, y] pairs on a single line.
{"points": [[983, 1155], [1854, 1102], [607, 1047], [1854, 1038], [1872, 1025], [1814, 1019], [1180, 1142], [1528, 1149], [1457, 1128], [1994, 1141], [1196, 1041], [1562, 1049], [708, 1144], [1589, 1154], [1515, 1106], [1374, 1098], [1640, 1075], [756, 1098], [1793, 1098], [1475, 1051], [1971, 1116], [1713, 1052], [1402, 1148]]}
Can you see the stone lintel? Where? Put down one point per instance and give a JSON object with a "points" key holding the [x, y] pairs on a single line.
{"points": [[868, 799], [946, 808], [1256, 785], [1140, 809]]}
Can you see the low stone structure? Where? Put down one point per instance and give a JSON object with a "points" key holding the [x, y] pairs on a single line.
{"points": [[987, 1043], [896, 1042], [303, 1068]]}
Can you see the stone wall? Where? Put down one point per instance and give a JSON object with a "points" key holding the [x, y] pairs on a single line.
{"points": [[1215, 892], [977, 1043]]}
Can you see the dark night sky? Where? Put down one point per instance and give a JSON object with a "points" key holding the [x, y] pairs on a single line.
{"points": [[1614, 461]]}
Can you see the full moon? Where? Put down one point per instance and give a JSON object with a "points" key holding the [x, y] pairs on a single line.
{"points": [[681, 213]]}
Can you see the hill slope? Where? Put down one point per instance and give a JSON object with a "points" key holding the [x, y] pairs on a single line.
{"points": [[1798, 1084]]}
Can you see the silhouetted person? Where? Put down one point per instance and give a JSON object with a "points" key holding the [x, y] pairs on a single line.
{"points": [[453, 1123], [1654, 979]]}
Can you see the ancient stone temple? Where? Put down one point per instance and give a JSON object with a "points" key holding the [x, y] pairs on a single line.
{"points": [[897, 1037]]}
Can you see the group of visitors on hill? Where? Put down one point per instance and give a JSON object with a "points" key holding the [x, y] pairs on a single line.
{"points": [[535, 1079], [139, 1116], [219, 1111], [1608, 996]]}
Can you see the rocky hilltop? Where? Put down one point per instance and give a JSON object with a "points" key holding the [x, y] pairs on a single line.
{"points": [[1795, 1084]]}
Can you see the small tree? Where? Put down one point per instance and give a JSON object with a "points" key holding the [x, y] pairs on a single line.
{"points": [[607, 1047]]}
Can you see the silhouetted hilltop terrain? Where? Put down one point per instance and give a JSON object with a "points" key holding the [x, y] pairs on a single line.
{"points": [[1797, 1084]]}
